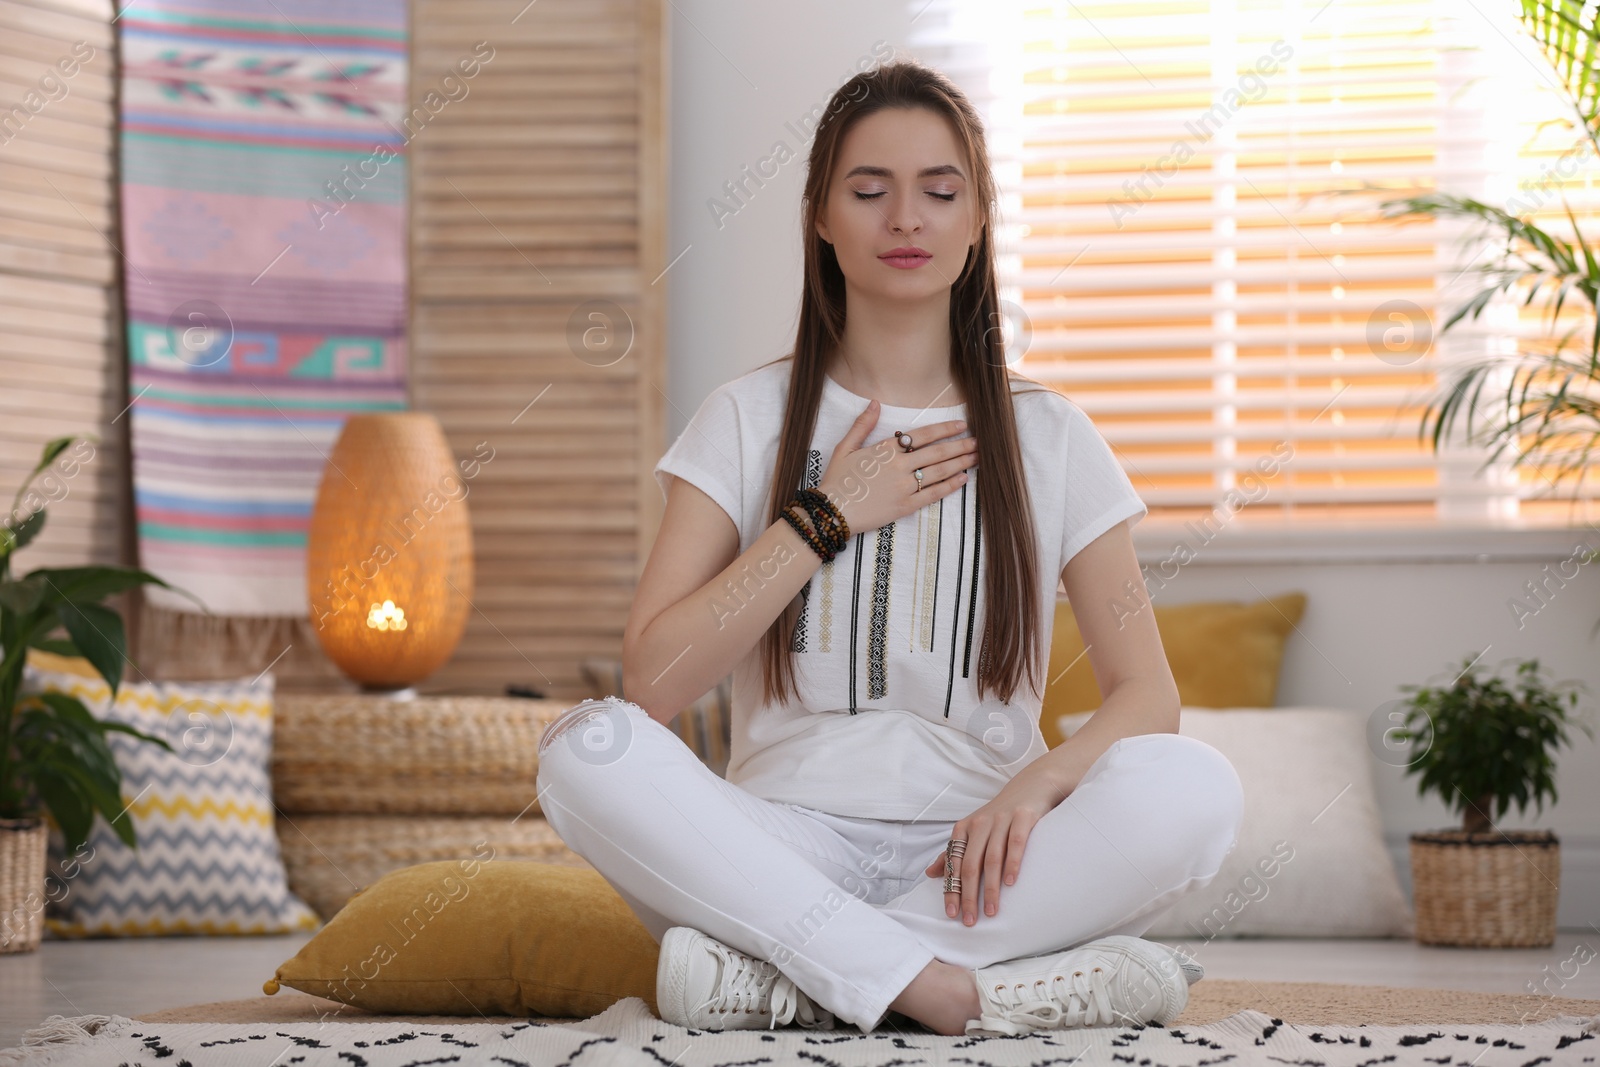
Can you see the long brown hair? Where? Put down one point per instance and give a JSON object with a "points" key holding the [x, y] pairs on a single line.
{"points": [[977, 362]]}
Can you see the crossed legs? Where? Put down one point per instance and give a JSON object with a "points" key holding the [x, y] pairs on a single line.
{"points": [[1150, 821]]}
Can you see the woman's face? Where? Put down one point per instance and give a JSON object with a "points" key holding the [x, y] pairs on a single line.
{"points": [[899, 209]]}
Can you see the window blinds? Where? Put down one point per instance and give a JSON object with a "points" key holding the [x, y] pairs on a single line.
{"points": [[1183, 263]]}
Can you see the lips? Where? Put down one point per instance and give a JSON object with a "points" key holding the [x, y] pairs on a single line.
{"points": [[906, 257]]}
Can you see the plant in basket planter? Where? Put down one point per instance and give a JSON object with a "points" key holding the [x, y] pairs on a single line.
{"points": [[1482, 743], [54, 758]]}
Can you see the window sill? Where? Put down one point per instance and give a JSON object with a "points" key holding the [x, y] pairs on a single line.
{"points": [[1269, 541]]}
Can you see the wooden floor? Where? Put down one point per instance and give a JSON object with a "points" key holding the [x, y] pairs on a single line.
{"points": [[127, 977]]}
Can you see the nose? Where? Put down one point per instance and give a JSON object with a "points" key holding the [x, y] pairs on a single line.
{"points": [[905, 219]]}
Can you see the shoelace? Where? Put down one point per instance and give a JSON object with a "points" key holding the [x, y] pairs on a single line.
{"points": [[1081, 1000], [742, 986], [791, 1005]]}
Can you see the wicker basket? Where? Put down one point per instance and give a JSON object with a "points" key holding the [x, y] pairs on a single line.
{"points": [[360, 754], [1490, 889], [328, 858], [22, 867]]}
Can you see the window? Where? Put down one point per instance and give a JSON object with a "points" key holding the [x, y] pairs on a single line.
{"points": [[1180, 260]]}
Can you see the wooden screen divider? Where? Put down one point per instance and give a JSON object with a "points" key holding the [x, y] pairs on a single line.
{"points": [[539, 231], [537, 203], [60, 278]]}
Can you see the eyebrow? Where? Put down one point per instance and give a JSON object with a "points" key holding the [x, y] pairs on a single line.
{"points": [[925, 172]]}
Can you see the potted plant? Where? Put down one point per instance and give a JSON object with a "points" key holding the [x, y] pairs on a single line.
{"points": [[53, 753], [1534, 403], [1482, 743]]}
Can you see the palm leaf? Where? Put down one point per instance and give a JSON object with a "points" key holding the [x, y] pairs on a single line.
{"points": [[1569, 43]]}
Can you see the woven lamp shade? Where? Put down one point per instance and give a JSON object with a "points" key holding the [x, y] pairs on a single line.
{"points": [[389, 552]]}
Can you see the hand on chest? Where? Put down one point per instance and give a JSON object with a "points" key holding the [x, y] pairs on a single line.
{"points": [[897, 615]]}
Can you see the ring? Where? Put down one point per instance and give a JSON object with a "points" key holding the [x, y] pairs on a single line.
{"points": [[904, 439], [918, 473], [953, 852]]}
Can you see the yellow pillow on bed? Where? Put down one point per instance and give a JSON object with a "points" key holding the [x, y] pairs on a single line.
{"points": [[1223, 654], [471, 937]]}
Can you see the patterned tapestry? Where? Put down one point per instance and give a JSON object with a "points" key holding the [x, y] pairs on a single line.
{"points": [[264, 224]]}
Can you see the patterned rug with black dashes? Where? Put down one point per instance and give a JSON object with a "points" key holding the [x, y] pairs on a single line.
{"points": [[627, 1034]]}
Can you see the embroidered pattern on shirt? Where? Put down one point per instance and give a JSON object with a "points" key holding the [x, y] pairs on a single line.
{"points": [[882, 567], [813, 476], [799, 642]]}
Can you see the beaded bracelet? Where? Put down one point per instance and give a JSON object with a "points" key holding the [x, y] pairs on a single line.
{"points": [[792, 514], [828, 532], [826, 515]]}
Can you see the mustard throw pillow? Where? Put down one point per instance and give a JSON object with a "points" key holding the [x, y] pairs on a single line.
{"points": [[470, 937], [1223, 654]]}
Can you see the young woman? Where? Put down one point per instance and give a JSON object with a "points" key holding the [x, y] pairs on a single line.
{"points": [[887, 774]]}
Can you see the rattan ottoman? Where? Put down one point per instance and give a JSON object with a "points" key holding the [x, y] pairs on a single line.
{"points": [[365, 785]]}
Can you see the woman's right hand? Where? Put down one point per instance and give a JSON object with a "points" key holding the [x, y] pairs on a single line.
{"points": [[874, 486]]}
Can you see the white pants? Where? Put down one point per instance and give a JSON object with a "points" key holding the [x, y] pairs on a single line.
{"points": [[840, 903]]}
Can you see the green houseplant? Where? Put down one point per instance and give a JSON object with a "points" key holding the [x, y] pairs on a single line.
{"points": [[1535, 402], [1482, 743], [53, 753]]}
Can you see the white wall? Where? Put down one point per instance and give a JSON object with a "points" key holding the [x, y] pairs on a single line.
{"points": [[1371, 627], [742, 77]]}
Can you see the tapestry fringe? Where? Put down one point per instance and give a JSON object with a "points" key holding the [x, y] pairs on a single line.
{"points": [[191, 646]]}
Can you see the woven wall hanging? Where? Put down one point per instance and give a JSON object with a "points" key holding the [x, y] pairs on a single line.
{"points": [[263, 180]]}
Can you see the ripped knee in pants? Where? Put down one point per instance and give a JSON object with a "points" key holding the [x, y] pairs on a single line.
{"points": [[580, 712]]}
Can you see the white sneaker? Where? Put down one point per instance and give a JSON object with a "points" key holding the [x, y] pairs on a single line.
{"points": [[1119, 980], [705, 985]]}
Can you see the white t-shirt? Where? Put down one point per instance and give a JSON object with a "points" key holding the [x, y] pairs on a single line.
{"points": [[889, 723]]}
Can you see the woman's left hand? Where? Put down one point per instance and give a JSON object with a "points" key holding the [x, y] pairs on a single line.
{"points": [[996, 835]]}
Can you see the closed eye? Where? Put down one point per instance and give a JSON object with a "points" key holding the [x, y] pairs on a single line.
{"points": [[946, 197]]}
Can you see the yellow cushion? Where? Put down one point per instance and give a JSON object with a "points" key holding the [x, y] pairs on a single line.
{"points": [[496, 937], [41, 660], [1223, 654]]}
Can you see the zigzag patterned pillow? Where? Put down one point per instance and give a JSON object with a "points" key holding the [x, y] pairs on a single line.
{"points": [[208, 860]]}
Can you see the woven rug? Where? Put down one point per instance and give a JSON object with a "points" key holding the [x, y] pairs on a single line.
{"points": [[1210, 1000], [628, 1035], [263, 196]]}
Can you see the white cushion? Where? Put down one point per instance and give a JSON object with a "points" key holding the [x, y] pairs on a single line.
{"points": [[1310, 860]]}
